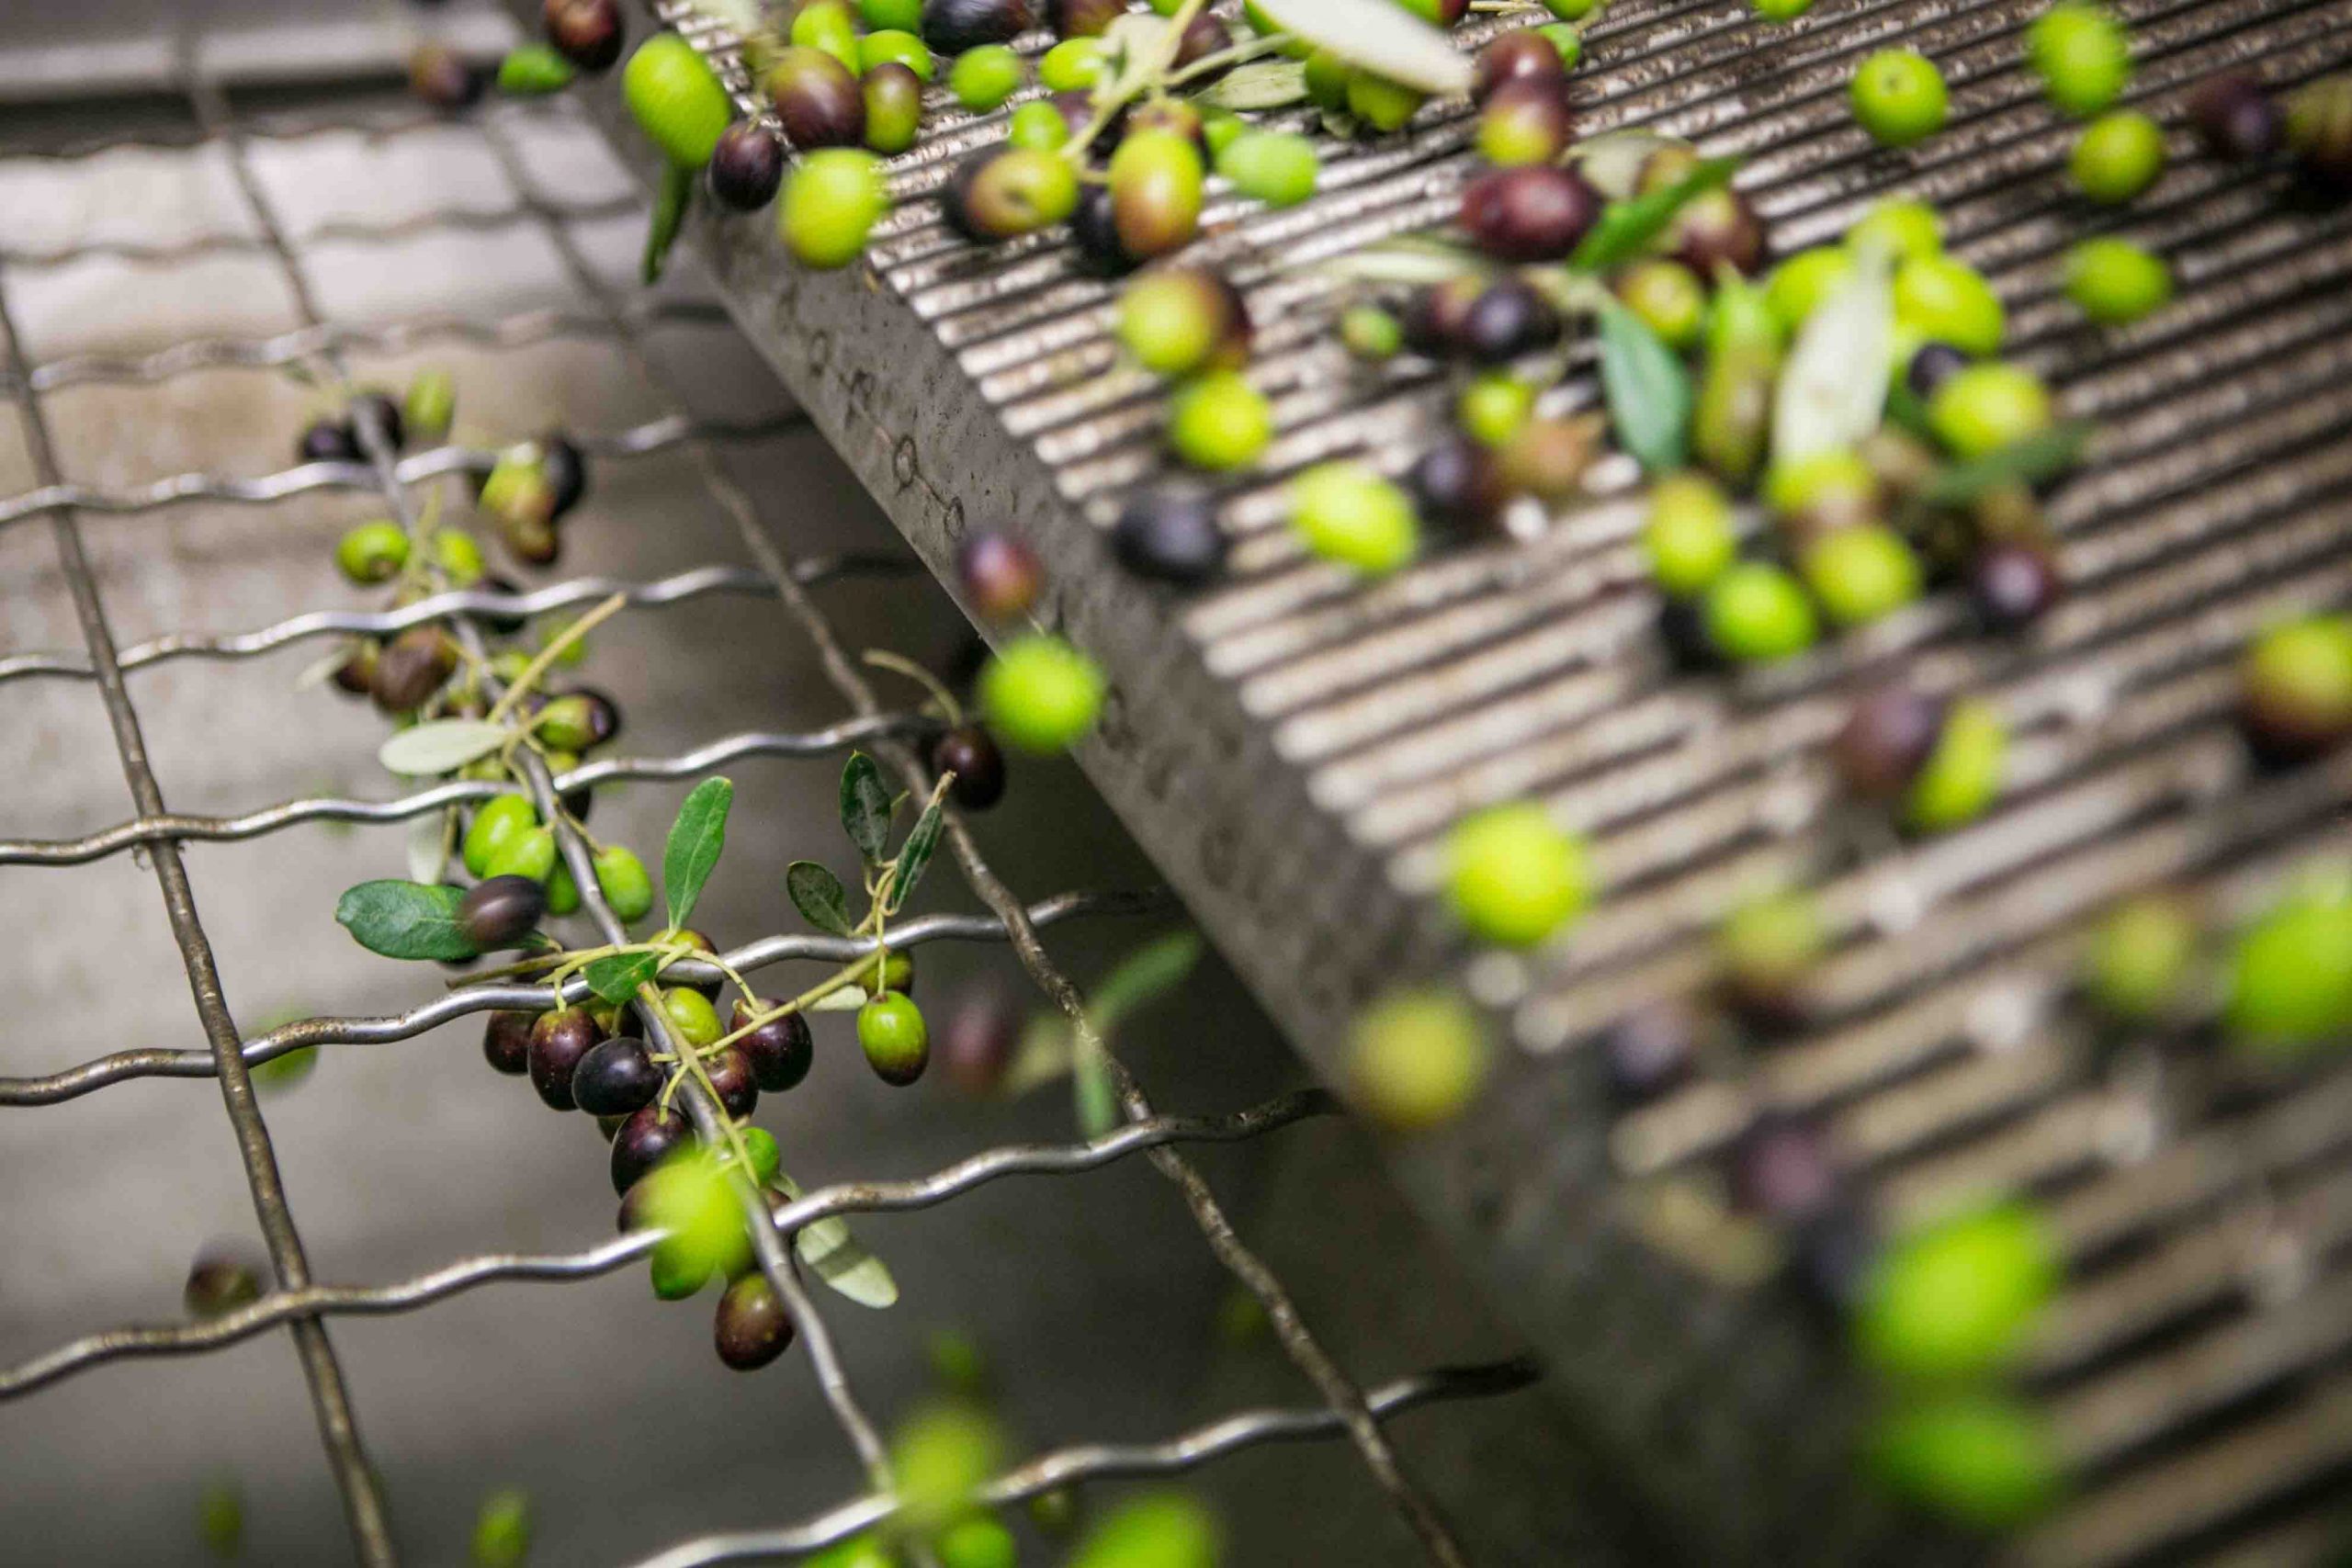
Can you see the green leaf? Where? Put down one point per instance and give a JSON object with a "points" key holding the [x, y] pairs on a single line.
{"points": [[819, 896], [441, 746], [616, 976], [915, 854], [1626, 227], [670, 204], [1096, 1101], [696, 837], [839, 1258], [865, 805], [2034, 460], [1611, 163], [405, 919], [1260, 84], [1152, 970], [1648, 390]]}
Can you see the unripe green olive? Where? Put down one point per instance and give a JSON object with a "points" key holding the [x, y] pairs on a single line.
{"points": [[1006, 191], [530, 853], [373, 552], [691, 1014], [496, 821], [1156, 177], [831, 201], [622, 878], [459, 557], [893, 108], [897, 1042], [676, 99]]}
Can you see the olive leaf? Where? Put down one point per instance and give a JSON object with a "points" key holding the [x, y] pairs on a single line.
{"points": [[2036, 460], [839, 1258], [697, 837], [1261, 84], [914, 855], [1091, 1093], [1832, 392], [1152, 970], [1648, 390], [616, 976], [1611, 163], [405, 919], [1626, 227], [865, 805], [441, 746], [1409, 259], [819, 896], [670, 205], [428, 846], [1377, 35]]}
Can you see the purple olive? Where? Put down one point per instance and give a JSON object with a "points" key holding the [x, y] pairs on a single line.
{"points": [[586, 32], [1458, 484], [819, 101], [1523, 56], [951, 27], [2237, 119], [1531, 214], [747, 167]]}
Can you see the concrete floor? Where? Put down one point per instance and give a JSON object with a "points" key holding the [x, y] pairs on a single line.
{"points": [[1093, 1296]]}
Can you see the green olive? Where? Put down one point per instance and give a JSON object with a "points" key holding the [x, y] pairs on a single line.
{"points": [[1958, 1298], [1041, 694], [1963, 772], [1514, 877], [1983, 408], [1689, 538], [831, 201], [1416, 1059], [2082, 55], [983, 78], [1755, 613], [1799, 284], [2287, 986], [529, 851], [1898, 96], [1155, 179], [2115, 283], [2141, 957], [1669, 298], [460, 557], [2119, 155], [691, 1015], [1380, 104], [1345, 513], [373, 552], [1277, 167], [1494, 407], [1219, 422], [1861, 574], [893, 108], [1947, 300], [621, 877], [1903, 228], [1980, 1459], [676, 99], [890, 44], [496, 821]]}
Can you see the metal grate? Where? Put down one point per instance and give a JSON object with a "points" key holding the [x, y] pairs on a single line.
{"points": [[1291, 745], [297, 1301]]}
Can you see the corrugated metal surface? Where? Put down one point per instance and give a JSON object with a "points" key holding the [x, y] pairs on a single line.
{"points": [[1291, 746]]}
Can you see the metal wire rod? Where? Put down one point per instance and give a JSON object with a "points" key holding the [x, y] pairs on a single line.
{"points": [[174, 828], [637, 441], [330, 1399], [521, 330], [1107, 1462], [453, 1279], [334, 231], [157, 1062], [675, 589], [1290, 1329], [404, 121]]}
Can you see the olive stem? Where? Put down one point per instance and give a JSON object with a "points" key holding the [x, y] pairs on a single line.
{"points": [[1236, 54], [882, 659], [646, 997], [1171, 40], [848, 974], [554, 651]]}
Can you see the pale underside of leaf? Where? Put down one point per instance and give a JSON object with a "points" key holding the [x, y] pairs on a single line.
{"points": [[428, 852], [1378, 36], [1832, 392], [1260, 84], [839, 1258], [441, 746]]}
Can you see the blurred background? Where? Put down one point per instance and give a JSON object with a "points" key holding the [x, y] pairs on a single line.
{"points": [[1093, 1299]]}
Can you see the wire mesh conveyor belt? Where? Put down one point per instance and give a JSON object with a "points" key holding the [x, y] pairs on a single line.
{"points": [[299, 1302], [1291, 747]]}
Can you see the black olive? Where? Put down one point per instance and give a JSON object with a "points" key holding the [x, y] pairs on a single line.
{"points": [[1507, 320], [1095, 227], [2014, 582], [1719, 228], [1434, 317], [752, 1327], [1523, 56], [500, 911], [1531, 214], [1458, 484], [506, 1042], [746, 166], [1931, 365], [616, 1078], [971, 754], [329, 440], [732, 1079], [1650, 1050], [411, 668], [444, 79], [1000, 576], [951, 27], [559, 1040], [819, 101], [645, 1140], [586, 32], [1084, 18], [781, 1051], [1170, 535], [2236, 118], [1782, 1168]]}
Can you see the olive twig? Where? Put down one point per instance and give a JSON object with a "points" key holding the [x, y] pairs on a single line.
{"points": [[882, 659], [554, 651], [1169, 43], [1236, 54]]}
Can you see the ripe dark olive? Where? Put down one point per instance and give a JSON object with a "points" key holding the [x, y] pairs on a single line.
{"points": [[732, 1079], [893, 106], [781, 1051], [746, 166], [976, 1043], [645, 1140], [506, 1042], [2014, 582], [1719, 228], [1000, 575], [951, 27], [443, 78], [969, 753], [1433, 319], [1931, 367], [1782, 1168], [1000, 192], [1526, 121], [2236, 118], [1507, 319], [356, 674], [616, 1078], [1650, 1050], [2318, 131], [379, 409], [1887, 741], [817, 98], [1094, 226], [752, 1328], [1458, 484], [1204, 35], [565, 470], [558, 1042], [1525, 56], [500, 911], [578, 720], [1084, 18], [411, 668], [530, 540], [586, 32], [329, 440], [1531, 214], [1170, 535], [220, 1280]]}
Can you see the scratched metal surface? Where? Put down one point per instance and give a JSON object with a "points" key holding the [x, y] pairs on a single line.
{"points": [[1291, 746]]}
